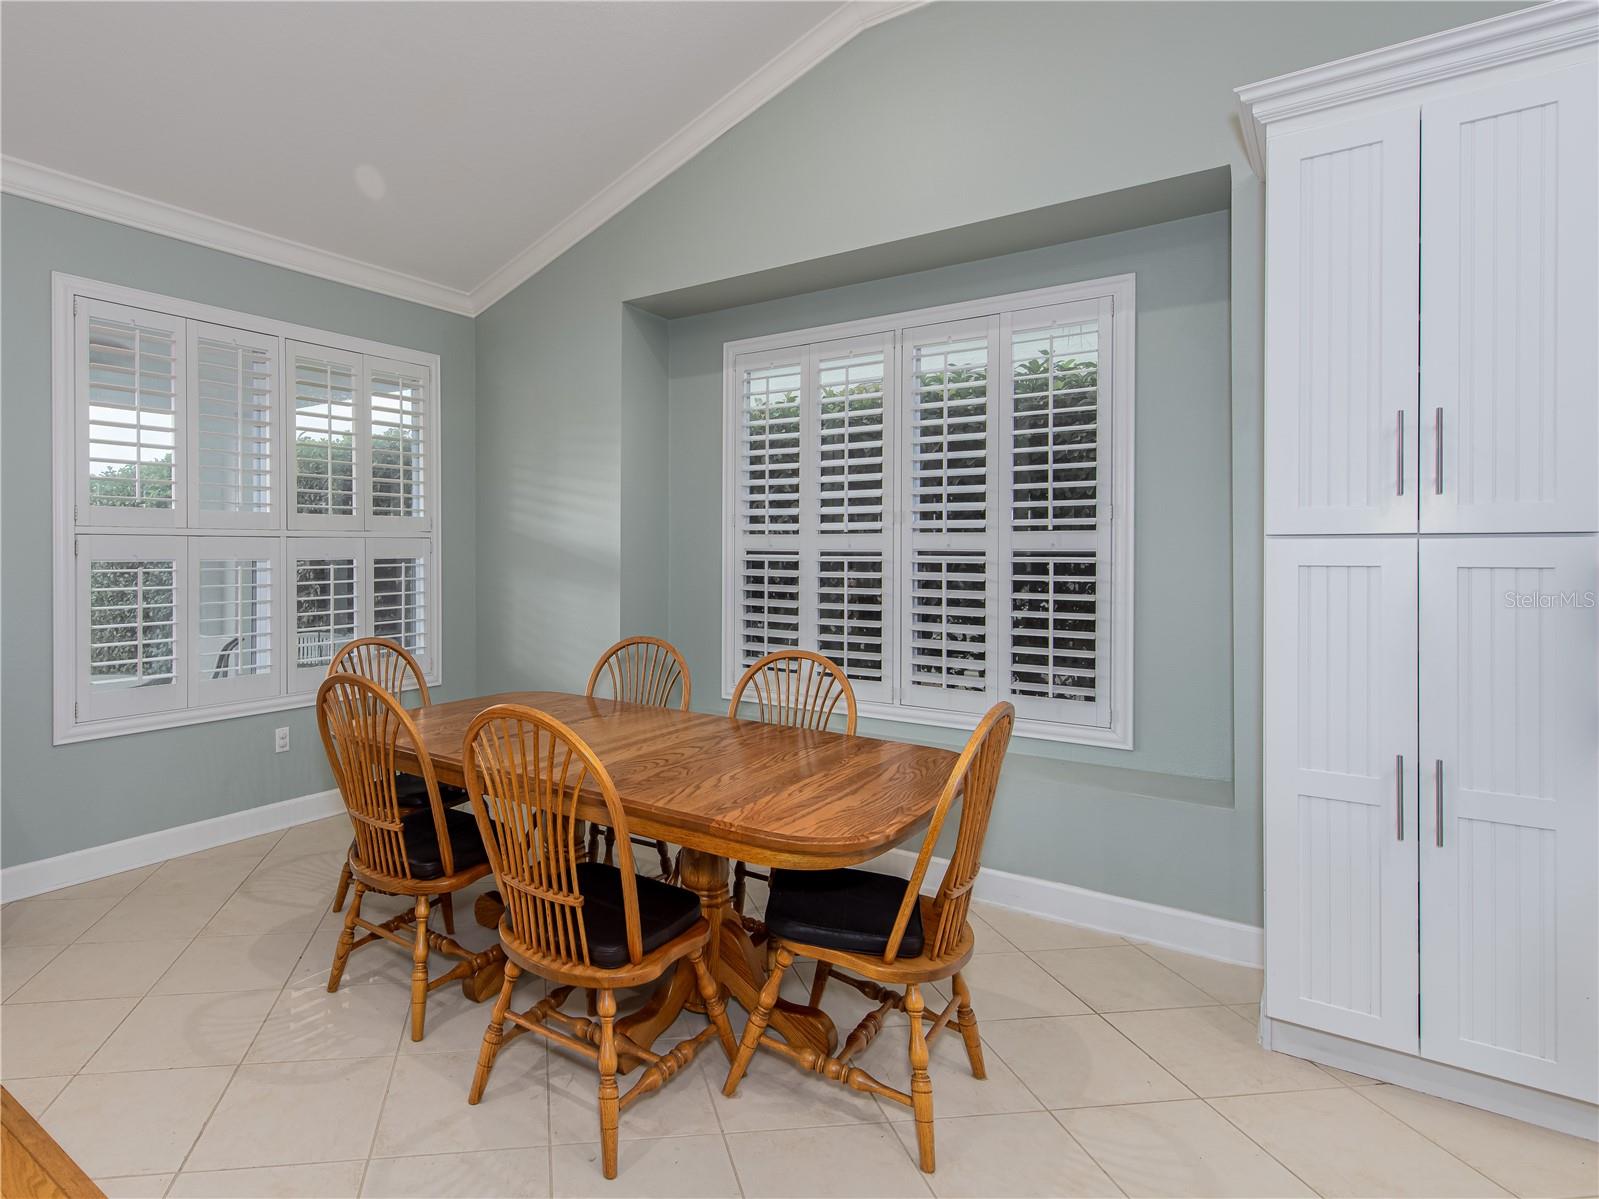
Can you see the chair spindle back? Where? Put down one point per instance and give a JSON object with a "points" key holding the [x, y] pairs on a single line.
{"points": [[361, 725], [525, 772], [798, 688], [644, 670], [387, 663]]}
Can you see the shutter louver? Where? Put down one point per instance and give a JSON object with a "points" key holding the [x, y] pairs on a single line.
{"points": [[849, 613], [769, 606], [400, 601], [233, 419], [949, 435], [132, 380], [398, 446], [325, 391], [850, 443], [948, 643], [1055, 427], [132, 623], [1055, 626], [324, 608], [769, 450]]}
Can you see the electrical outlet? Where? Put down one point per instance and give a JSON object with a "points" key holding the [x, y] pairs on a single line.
{"points": [[280, 741]]}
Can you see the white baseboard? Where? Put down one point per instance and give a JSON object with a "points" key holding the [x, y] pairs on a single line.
{"points": [[1542, 1108], [1191, 932], [80, 866]]}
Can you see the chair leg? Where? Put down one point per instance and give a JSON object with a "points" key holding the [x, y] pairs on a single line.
{"points": [[666, 861], [610, 847], [715, 1005], [344, 886], [447, 906], [968, 1026], [341, 952], [819, 983], [740, 887], [758, 1019], [419, 969], [921, 1084], [610, 1104], [494, 1035]]}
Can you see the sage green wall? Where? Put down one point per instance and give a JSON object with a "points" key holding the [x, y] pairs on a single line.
{"points": [[1038, 104], [62, 798]]}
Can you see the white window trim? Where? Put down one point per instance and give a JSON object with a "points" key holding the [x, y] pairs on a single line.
{"points": [[65, 288], [1120, 290]]}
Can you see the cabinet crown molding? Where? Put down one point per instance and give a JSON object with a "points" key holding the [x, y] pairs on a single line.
{"points": [[1475, 47]]}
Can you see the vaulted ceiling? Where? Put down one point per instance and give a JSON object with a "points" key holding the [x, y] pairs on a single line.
{"points": [[438, 151]]}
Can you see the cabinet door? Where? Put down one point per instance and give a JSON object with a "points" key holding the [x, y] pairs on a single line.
{"points": [[1341, 311], [1510, 767], [1340, 786], [1508, 351]]}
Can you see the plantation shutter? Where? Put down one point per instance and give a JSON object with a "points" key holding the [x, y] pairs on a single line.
{"points": [[1057, 540], [130, 384], [329, 429], [234, 602], [328, 579], [400, 579], [129, 610], [765, 591], [233, 393], [400, 471]]}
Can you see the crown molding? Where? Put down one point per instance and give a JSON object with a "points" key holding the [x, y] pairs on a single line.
{"points": [[50, 186], [1493, 42], [821, 40]]}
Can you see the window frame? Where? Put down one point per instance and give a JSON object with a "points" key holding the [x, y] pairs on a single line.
{"points": [[275, 534], [1115, 295]]}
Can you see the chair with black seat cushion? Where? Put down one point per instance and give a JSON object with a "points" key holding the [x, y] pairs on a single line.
{"points": [[423, 853], [580, 925], [391, 666], [640, 670], [885, 931], [794, 687]]}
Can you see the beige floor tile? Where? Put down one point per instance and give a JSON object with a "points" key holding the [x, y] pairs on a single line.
{"points": [[326, 1180], [1214, 1052], [987, 938], [669, 1168], [1011, 986], [358, 1021], [36, 1094], [19, 963], [863, 1160], [777, 1094], [269, 909], [1225, 982], [293, 1113], [1249, 1011], [509, 1173], [248, 963], [201, 873], [166, 1031], [681, 1108], [1080, 1061], [1027, 1154], [55, 1038], [136, 1123], [113, 886], [426, 1109], [1179, 1148], [148, 915], [1342, 1144], [106, 971], [1028, 932], [251, 847], [1352, 1080], [1521, 1157], [1120, 979], [378, 962], [46, 921], [330, 833], [135, 1186], [454, 1023], [955, 1091]]}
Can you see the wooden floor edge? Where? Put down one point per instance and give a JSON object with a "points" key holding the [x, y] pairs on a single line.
{"points": [[32, 1165]]}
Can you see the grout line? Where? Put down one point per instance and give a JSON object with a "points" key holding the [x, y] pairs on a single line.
{"points": [[1244, 1132], [1395, 1116]]}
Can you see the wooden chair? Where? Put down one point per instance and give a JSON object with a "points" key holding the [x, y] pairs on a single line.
{"points": [[887, 931], [641, 670], [391, 666], [579, 924], [422, 853], [798, 688]]}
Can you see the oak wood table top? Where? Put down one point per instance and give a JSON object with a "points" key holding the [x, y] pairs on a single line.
{"points": [[765, 794]]}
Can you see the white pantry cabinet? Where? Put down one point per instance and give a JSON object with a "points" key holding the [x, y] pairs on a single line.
{"points": [[1431, 739]]}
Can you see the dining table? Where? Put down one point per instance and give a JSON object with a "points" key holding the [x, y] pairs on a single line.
{"points": [[725, 789]]}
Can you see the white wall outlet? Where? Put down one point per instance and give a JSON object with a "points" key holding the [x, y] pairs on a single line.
{"points": [[280, 741]]}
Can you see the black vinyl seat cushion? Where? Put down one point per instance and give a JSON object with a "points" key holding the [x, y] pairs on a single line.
{"points": [[664, 913], [422, 843], [851, 910], [412, 792]]}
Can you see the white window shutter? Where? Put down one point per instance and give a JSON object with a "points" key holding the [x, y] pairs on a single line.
{"points": [[233, 401], [329, 435], [130, 621], [850, 608], [947, 659], [237, 603], [130, 382], [401, 604], [400, 466], [947, 369], [329, 582], [769, 604], [850, 424]]}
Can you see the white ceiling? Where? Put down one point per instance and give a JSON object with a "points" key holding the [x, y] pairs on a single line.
{"points": [[441, 151]]}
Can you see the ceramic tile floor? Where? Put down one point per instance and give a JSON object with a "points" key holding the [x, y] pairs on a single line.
{"points": [[172, 1029]]}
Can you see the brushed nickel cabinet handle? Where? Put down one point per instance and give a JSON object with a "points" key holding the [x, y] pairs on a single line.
{"points": [[1399, 795], [1438, 799], [1399, 455], [1438, 450]]}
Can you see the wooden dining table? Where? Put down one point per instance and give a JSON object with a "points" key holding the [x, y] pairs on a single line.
{"points": [[725, 790]]}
